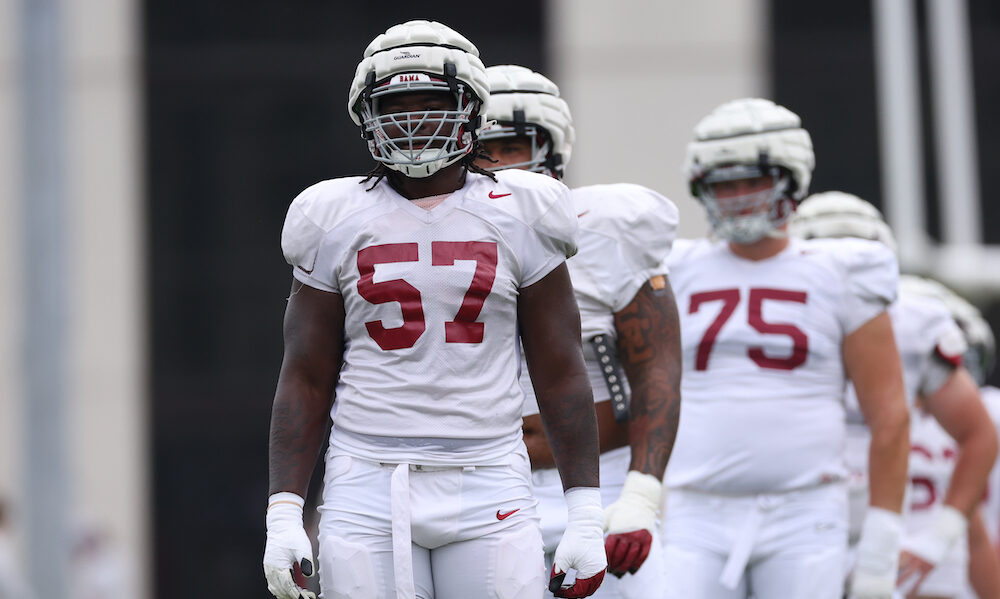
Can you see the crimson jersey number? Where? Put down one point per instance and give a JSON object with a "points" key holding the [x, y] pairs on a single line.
{"points": [[464, 329], [925, 492], [730, 298]]}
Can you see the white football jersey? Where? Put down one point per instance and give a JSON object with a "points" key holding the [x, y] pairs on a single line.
{"points": [[430, 297], [764, 379], [933, 454], [991, 504], [626, 232], [930, 347]]}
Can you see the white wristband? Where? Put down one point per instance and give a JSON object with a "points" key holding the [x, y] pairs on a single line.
{"points": [[933, 544], [881, 533], [645, 488], [637, 505], [584, 505], [284, 507], [878, 554]]}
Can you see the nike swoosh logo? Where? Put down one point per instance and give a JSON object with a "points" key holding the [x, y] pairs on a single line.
{"points": [[503, 516], [495, 197], [582, 213]]}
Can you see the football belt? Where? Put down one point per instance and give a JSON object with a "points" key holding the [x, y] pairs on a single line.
{"points": [[611, 368]]}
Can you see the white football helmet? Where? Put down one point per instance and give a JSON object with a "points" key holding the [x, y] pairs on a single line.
{"points": [[523, 102], [743, 139], [839, 214], [981, 355], [419, 56]]}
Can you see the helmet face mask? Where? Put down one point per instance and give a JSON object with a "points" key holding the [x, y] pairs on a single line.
{"points": [[527, 104], [422, 58], [430, 138], [748, 216], [540, 152], [979, 360]]}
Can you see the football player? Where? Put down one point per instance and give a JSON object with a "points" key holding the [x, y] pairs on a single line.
{"points": [[953, 442], [984, 527], [771, 328], [411, 290], [630, 328], [984, 564], [981, 576]]}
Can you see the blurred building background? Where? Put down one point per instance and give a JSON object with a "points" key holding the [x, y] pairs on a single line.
{"points": [[189, 126]]}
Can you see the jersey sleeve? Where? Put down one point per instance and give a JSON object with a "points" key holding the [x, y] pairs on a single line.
{"points": [[949, 347], [872, 279], [632, 230], [304, 238], [544, 205]]}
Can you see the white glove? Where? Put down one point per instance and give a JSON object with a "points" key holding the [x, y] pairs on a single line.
{"points": [[933, 543], [287, 545], [629, 522], [582, 545], [878, 555]]}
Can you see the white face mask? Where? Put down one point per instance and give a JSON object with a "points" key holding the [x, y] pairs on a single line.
{"points": [[418, 143], [749, 217], [540, 147]]}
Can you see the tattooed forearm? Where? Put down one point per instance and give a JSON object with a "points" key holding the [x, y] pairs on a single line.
{"points": [[649, 346]]}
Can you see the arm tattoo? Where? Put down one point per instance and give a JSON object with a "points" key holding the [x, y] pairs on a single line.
{"points": [[649, 344]]}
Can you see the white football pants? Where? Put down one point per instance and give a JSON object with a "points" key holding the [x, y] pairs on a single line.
{"points": [[648, 581], [390, 531], [781, 546]]}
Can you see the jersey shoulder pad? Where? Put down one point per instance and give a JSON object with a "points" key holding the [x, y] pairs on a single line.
{"points": [[642, 222], [869, 267], [539, 201], [869, 271], [315, 212], [932, 319]]}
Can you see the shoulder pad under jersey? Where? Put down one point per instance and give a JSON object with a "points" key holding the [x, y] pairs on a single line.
{"points": [[314, 212]]}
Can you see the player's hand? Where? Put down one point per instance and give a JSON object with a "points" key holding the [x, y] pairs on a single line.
{"points": [[629, 523], [912, 572], [582, 545], [287, 545], [874, 574], [926, 549]]}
